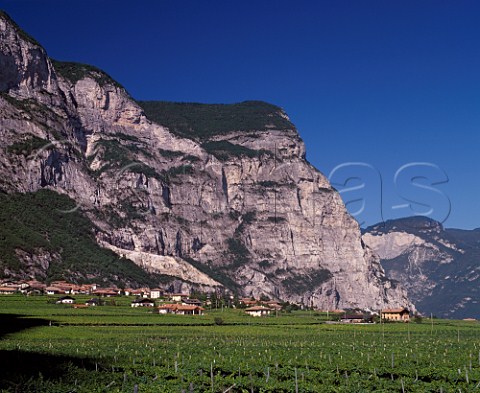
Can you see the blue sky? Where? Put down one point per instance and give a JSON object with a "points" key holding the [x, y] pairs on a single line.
{"points": [[382, 83]]}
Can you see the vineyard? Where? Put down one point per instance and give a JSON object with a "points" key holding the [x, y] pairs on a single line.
{"points": [[53, 348]]}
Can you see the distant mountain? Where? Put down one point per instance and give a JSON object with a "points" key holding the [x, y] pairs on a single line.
{"points": [[440, 268]]}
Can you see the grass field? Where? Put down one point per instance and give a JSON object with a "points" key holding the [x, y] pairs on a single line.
{"points": [[53, 348]]}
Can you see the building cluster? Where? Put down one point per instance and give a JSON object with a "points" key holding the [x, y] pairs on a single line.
{"points": [[259, 308], [175, 303], [400, 314], [179, 304], [26, 287], [172, 303], [33, 287]]}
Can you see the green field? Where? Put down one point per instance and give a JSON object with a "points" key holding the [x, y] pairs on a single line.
{"points": [[53, 348]]}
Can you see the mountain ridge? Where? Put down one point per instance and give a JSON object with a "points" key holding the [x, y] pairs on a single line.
{"points": [[438, 266], [244, 206]]}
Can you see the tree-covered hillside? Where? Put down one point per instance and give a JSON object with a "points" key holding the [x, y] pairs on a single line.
{"points": [[49, 224], [202, 121]]}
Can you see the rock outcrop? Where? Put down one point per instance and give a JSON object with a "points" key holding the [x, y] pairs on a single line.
{"points": [[224, 189]]}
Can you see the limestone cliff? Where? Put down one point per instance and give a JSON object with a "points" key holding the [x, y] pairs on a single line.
{"points": [[215, 195]]}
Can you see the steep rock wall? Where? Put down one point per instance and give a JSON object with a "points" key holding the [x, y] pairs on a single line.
{"points": [[244, 206]]}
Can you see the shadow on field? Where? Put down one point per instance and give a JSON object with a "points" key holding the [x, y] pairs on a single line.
{"points": [[22, 368], [12, 323]]}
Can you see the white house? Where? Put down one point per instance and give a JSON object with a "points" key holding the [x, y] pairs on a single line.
{"points": [[258, 311], [155, 293], [65, 300], [143, 302]]}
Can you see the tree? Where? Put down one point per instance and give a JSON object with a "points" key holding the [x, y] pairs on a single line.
{"points": [[264, 298]]}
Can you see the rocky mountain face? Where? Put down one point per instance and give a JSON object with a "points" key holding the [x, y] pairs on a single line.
{"points": [[213, 196], [437, 266]]}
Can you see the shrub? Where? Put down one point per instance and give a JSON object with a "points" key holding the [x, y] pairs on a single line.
{"points": [[118, 155], [170, 153], [246, 219], [224, 150], [26, 147], [269, 184], [276, 219], [265, 264], [418, 319], [77, 71]]}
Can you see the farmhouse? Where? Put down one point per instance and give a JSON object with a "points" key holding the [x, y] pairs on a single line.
{"points": [[85, 289], [89, 288], [192, 302], [167, 308], [62, 287], [93, 302], [65, 300], [258, 311], [143, 302], [134, 292], [185, 309], [396, 314], [53, 290], [246, 301], [35, 287], [11, 284], [356, 318], [180, 309], [7, 290], [275, 305], [177, 297], [155, 293], [108, 292]]}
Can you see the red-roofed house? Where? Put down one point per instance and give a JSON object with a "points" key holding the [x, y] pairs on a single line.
{"points": [[105, 292], [7, 290], [180, 309]]}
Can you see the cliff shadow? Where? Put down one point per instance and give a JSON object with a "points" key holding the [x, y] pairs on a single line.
{"points": [[13, 323], [22, 370]]}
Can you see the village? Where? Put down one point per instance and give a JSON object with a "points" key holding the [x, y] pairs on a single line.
{"points": [[164, 302]]}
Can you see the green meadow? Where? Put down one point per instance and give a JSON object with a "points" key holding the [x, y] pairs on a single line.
{"points": [[47, 347]]}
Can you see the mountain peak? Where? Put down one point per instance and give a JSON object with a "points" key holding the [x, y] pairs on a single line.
{"points": [[21, 33]]}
